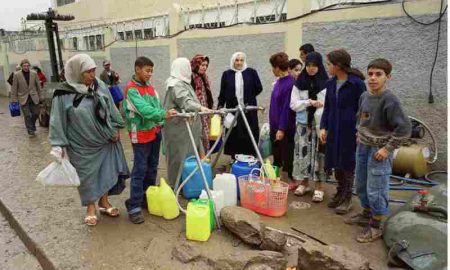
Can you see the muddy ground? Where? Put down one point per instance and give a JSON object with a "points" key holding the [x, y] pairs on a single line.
{"points": [[53, 217]]}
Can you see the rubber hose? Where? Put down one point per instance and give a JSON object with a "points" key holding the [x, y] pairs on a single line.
{"points": [[427, 176], [432, 138], [415, 181]]}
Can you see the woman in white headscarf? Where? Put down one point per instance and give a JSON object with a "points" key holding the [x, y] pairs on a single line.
{"points": [[240, 84], [85, 123], [180, 96]]}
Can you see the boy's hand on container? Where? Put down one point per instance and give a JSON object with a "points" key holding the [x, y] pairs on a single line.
{"points": [[323, 136], [279, 136], [381, 154], [170, 113], [319, 104]]}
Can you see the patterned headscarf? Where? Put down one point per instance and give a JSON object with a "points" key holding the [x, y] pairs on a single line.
{"points": [[201, 85], [198, 81]]}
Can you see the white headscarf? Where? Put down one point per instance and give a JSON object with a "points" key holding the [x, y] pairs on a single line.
{"points": [[74, 69], [180, 71], [239, 80]]}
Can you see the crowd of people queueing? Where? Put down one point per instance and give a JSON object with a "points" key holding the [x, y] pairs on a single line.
{"points": [[320, 120]]}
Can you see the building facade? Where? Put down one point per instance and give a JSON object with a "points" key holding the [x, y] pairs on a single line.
{"points": [[163, 30]]}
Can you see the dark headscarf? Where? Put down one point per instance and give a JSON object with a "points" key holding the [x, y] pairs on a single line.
{"points": [[314, 84]]}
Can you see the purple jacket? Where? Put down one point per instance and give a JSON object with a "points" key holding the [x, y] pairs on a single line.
{"points": [[281, 117]]}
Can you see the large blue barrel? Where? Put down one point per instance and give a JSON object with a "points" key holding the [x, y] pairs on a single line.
{"points": [[240, 168], [194, 186]]}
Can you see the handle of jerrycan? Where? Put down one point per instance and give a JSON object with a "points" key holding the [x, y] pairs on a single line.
{"points": [[261, 175]]}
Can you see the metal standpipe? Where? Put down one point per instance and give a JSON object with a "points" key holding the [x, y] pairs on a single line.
{"points": [[197, 156], [202, 172], [250, 133]]}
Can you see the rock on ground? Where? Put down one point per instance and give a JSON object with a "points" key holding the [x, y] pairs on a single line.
{"points": [[332, 257], [273, 240], [252, 260], [244, 223]]}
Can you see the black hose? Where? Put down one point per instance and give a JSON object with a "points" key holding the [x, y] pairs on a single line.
{"points": [[429, 179]]}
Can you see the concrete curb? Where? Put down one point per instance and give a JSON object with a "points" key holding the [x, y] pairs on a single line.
{"points": [[31, 245]]}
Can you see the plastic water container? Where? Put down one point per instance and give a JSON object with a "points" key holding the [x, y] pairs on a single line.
{"points": [[194, 186], [226, 183], [243, 166], [153, 205], [198, 221], [215, 128], [218, 198], [210, 204], [168, 201]]}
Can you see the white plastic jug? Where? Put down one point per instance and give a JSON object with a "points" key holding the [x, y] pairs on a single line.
{"points": [[217, 196], [226, 182]]}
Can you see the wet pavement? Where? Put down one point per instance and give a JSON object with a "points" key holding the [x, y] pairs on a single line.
{"points": [[13, 253], [52, 218]]}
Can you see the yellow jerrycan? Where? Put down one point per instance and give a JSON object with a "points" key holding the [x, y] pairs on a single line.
{"points": [[167, 201], [154, 207], [198, 223], [270, 170], [215, 128]]}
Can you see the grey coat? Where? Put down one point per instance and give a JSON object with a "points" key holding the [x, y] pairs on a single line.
{"points": [[176, 138], [20, 90]]}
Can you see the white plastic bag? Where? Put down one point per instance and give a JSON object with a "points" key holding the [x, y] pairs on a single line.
{"points": [[60, 172]]}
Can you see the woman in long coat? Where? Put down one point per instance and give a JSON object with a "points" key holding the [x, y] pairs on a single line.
{"points": [[85, 123], [180, 96], [338, 125], [240, 84]]}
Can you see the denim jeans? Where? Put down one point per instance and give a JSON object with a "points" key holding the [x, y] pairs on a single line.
{"points": [[372, 179], [143, 175], [30, 113]]}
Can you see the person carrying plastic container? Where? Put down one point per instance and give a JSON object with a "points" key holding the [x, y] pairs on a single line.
{"points": [[382, 127], [181, 96], [144, 116]]}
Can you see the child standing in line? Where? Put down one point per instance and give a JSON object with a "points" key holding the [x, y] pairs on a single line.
{"points": [[144, 118], [382, 127], [310, 83], [281, 117], [338, 125], [295, 68]]}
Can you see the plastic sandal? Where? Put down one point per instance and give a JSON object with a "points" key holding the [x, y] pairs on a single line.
{"points": [[90, 220], [302, 190], [318, 196], [109, 211]]}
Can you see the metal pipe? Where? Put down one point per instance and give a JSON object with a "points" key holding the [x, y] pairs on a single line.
{"points": [[250, 133], [202, 172], [51, 49], [227, 135], [61, 64]]}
